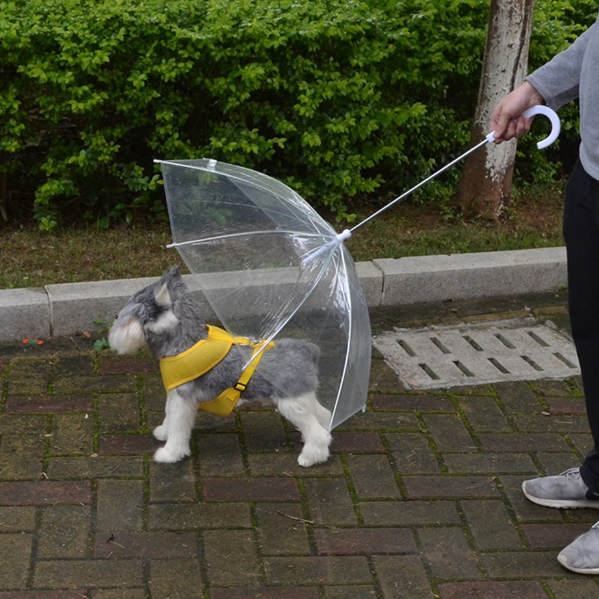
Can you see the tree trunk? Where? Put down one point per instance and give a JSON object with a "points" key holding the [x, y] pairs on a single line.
{"points": [[485, 185]]}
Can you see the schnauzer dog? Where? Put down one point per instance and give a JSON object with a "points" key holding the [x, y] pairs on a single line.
{"points": [[166, 318]]}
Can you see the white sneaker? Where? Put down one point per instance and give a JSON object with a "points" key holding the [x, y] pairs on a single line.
{"points": [[566, 490], [582, 555]]}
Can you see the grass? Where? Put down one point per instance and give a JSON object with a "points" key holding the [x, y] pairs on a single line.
{"points": [[30, 258]]}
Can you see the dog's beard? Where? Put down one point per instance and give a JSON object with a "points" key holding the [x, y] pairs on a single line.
{"points": [[127, 338]]}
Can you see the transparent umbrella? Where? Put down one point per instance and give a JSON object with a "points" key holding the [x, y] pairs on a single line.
{"points": [[255, 247]]}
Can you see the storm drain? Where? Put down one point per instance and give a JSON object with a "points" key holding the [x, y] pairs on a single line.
{"points": [[515, 350]]}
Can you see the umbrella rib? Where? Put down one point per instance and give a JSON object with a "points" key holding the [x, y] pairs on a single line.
{"points": [[281, 325], [244, 234]]}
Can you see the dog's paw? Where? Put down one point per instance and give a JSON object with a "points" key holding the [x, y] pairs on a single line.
{"points": [[313, 454], [165, 455], [160, 433]]}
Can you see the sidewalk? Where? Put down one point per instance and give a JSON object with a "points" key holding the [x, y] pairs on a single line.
{"points": [[421, 498]]}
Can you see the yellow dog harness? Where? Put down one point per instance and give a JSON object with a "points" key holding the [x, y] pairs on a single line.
{"points": [[204, 356]]}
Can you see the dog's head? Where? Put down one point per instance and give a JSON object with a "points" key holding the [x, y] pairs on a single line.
{"points": [[150, 314]]}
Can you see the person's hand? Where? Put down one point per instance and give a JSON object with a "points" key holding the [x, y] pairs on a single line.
{"points": [[507, 121]]}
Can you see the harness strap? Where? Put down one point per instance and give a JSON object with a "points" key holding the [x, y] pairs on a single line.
{"points": [[205, 355], [223, 405]]}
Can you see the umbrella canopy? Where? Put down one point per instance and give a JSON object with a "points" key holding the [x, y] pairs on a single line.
{"points": [[256, 248]]}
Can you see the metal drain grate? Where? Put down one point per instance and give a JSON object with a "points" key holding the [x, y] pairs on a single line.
{"points": [[515, 350]]}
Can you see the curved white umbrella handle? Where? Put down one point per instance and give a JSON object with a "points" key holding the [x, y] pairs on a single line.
{"points": [[555, 123]]}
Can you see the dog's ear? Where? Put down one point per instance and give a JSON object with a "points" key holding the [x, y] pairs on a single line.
{"points": [[162, 295], [172, 274]]}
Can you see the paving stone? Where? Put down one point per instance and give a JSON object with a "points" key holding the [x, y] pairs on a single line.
{"points": [[173, 482], [402, 577], [330, 502], [566, 405], [302, 570], [552, 536], [523, 442], [21, 456], [364, 541], [282, 529], [549, 423], [128, 444], [442, 487], [119, 412], [407, 513], [373, 477], [15, 555], [357, 442], [118, 594], [45, 493], [263, 592], [220, 455], [17, 519], [29, 377], [579, 588], [493, 590], [517, 397], [236, 549], [67, 364], [351, 592], [263, 430], [491, 525], [250, 489], [49, 404], [146, 545], [119, 505], [412, 453], [521, 565], [448, 432], [70, 384], [286, 463], [127, 366], [412, 403], [68, 574], [175, 579], [478, 463], [64, 532], [177, 516], [484, 414], [448, 553], [62, 594], [72, 434], [95, 466]]}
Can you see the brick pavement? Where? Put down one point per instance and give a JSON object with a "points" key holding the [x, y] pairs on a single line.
{"points": [[421, 498]]}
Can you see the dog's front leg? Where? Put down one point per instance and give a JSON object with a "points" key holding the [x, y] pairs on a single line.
{"points": [[178, 423], [161, 432]]}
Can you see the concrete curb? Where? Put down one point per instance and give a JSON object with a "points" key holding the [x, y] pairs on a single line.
{"points": [[62, 310]]}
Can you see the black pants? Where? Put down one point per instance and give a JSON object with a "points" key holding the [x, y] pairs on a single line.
{"points": [[581, 232]]}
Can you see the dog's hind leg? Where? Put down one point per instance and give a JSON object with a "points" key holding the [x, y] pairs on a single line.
{"points": [[178, 424], [301, 412]]}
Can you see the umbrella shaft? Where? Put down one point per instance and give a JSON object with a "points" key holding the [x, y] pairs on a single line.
{"points": [[419, 185]]}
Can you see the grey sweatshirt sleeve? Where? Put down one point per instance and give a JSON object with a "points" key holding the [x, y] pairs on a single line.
{"points": [[558, 81]]}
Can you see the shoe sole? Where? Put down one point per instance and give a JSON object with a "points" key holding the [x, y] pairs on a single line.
{"points": [[566, 504], [589, 571]]}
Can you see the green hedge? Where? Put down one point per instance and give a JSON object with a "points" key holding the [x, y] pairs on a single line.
{"points": [[341, 99]]}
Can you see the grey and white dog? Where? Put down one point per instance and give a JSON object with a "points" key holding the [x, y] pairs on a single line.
{"points": [[166, 317]]}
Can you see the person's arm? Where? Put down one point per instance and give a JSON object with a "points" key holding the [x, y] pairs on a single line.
{"points": [[555, 84]]}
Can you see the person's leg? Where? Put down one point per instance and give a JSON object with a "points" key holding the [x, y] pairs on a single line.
{"points": [[581, 232], [578, 488]]}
